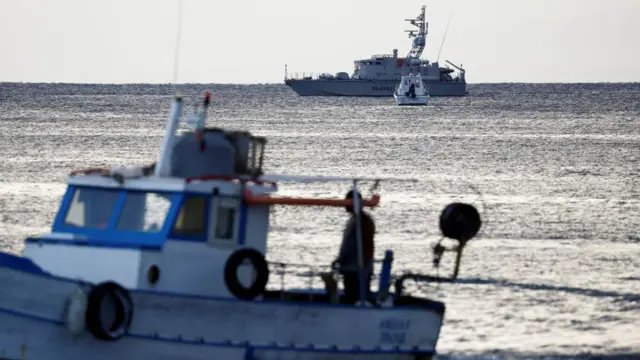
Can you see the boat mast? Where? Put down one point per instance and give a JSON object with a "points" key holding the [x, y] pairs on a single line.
{"points": [[412, 59], [419, 39], [163, 167]]}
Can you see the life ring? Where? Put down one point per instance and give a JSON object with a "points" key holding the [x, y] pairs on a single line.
{"points": [[231, 273], [118, 325]]}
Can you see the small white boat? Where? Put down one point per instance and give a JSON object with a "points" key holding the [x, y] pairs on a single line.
{"points": [[149, 263], [411, 91]]}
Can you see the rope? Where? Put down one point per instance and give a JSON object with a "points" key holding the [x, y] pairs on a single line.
{"points": [[177, 49]]}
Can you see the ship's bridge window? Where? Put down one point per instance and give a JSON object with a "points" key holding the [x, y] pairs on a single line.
{"points": [[192, 217], [224, 220], [145, 212], [91, 208]]}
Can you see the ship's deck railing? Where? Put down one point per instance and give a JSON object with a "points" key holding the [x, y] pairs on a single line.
{"points": [[308, 278], [306, 76], [317, 76], [378, 56]]}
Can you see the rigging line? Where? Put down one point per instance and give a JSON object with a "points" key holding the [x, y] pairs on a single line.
{"points": [[177, 49], [444, 37]]}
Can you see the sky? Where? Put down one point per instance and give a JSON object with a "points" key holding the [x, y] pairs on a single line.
{"points": [[250, 41]]}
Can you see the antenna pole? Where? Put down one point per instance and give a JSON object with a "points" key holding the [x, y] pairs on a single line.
{"points": [[177, 50], [202, 120], [420, 39], [444, 37]]}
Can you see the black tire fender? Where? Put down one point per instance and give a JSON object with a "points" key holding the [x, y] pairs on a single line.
{"points": [[231, 273], [460, 221], [119, 297]]}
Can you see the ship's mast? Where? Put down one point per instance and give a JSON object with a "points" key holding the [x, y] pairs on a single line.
{"points": [[419, 39]]}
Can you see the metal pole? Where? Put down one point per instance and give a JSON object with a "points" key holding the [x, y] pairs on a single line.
{"points": [[177, 50], [163, 166], [385, 276], [356, 209], [458, 259]]}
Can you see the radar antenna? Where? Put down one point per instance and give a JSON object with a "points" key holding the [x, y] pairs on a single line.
{"points": [[420, 38]]}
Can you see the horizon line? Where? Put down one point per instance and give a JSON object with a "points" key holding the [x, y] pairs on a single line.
{"points": [[282, 83]]}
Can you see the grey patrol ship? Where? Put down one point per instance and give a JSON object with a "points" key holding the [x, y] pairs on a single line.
{"points": [[379, 75]]}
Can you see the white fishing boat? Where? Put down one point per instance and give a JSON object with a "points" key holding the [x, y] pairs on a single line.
{"points": [[149, 263], [411, 91]]}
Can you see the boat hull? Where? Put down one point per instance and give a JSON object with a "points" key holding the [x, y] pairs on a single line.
{"points": [[368, 88], [34, 313], [419, 100], [33, 339]]}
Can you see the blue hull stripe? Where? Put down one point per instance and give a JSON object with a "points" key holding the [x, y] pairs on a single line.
{"points": [[94, 243]]}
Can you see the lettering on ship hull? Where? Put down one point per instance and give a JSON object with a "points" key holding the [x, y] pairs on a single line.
{"points": [[393, 331], [383, 88]]}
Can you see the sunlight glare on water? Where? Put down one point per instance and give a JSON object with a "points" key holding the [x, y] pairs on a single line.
{"points": [[555, 170]]}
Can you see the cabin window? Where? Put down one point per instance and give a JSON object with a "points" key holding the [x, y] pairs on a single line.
{"points": [[144, 212], [224, 215], [91, 208], [224, 225], [192, 217]]}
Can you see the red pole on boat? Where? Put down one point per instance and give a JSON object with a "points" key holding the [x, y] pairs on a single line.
{"points": [[201, 121]]}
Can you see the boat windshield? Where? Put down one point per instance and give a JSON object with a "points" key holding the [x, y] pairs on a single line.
{"points": [[95, 208]]}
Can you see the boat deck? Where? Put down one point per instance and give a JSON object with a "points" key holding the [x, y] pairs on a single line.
{"points": [[319, 297]]}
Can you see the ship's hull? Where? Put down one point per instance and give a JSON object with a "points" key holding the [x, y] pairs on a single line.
{"points": [[368, 88], [40, 319], [50, 342]]}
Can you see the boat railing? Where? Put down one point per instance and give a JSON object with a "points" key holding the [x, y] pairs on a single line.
{"points": [[303, 76], [311, 76], [309, 278], [299, 76], [317, 76], [382, 56]]}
